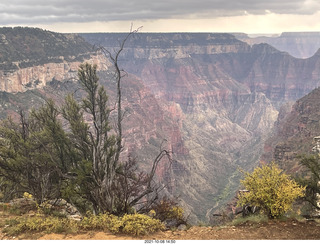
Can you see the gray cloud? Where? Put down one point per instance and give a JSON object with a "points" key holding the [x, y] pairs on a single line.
{"points": [[13, 12]]}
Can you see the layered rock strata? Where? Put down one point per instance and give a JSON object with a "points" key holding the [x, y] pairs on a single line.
{"points": [[31, 57], [209, 98], [297, 44]]}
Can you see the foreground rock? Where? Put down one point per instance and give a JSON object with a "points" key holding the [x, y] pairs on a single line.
{"points": [[59, 206]]}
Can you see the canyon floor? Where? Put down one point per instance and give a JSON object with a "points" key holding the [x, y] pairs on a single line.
{"points": [[271, 230]]}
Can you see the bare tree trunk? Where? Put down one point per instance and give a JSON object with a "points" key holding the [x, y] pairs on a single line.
{"points": [[109, 179]]}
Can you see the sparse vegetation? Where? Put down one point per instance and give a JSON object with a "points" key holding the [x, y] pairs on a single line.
{"points": [[132, 224], [39, 224], [168, 209], [256, 218], [33, 46]]}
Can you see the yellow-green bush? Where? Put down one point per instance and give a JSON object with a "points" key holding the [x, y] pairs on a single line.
{"points": [[270, 189], [140, 224], [101, 222], [27, 195], [39, 224], [175, 212], [135, 224]]}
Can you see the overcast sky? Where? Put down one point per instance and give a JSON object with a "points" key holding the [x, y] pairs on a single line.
{"points": [[250, 16]]}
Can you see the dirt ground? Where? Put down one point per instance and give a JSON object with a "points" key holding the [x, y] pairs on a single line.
{"points": [[271, 230]]}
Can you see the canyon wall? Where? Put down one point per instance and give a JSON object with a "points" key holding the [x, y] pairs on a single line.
{"points": [[228, 94], [294, 132], [297, 44], [23, 79], [31, 57], [209, 98]]}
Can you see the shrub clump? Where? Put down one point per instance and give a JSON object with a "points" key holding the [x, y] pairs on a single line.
{"points": [[271, 190], [140, 224], [132, 224], [101, 222], [168, 210], [39, 224]]}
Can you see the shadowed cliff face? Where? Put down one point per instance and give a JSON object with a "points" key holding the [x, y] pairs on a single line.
{"points": [[209, 98], [297, 125]]}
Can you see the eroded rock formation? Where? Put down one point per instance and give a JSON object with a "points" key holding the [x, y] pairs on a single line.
{"points": [[294, 132], [212, 98]]}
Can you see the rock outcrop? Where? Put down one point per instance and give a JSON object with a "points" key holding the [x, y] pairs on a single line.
{"points": [[30, 58], [23, 79], [294, 132]]}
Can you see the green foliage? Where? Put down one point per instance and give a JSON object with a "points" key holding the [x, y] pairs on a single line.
{"points": [[34, 153], [40, 224], [94, 146], [270, 189], [101, 222], [140, 224], [256, 218], [74, 153], [310, 178], [135, 224]]}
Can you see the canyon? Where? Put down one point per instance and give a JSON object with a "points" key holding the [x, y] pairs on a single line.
{"points": [[294, 133], [210, 98], [298, 44]]}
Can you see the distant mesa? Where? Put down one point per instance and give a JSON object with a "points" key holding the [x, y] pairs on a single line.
{"points": [[297, 44]]}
